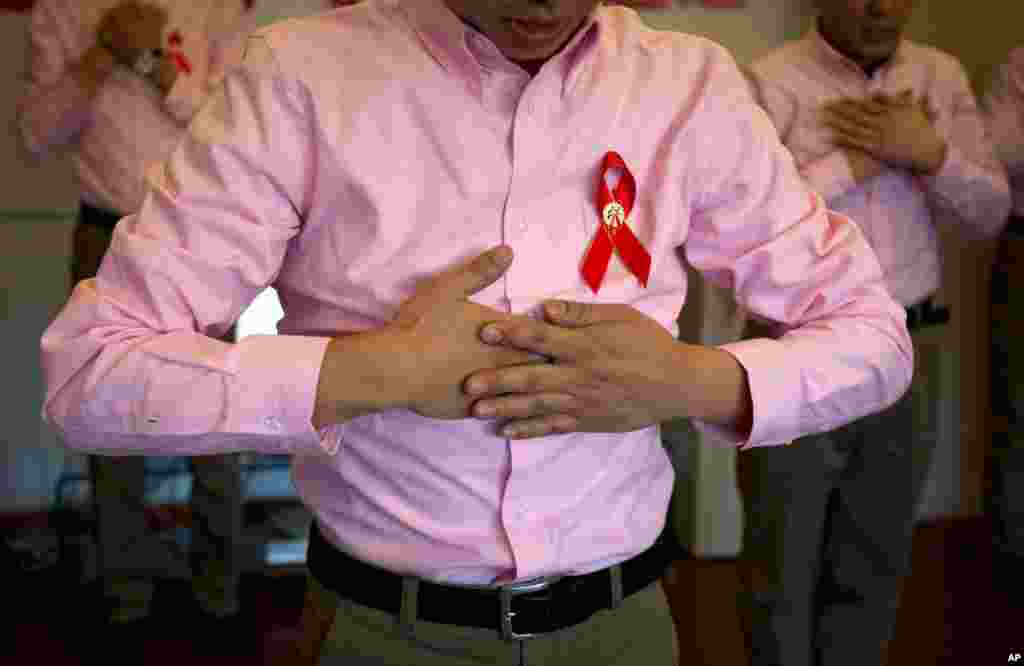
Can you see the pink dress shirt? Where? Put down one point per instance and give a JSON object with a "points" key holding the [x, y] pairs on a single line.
{"points": [[129, 125], [356, 152], [897, 210], [1005, 105]]}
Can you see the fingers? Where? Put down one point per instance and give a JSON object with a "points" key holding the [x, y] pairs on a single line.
{"points": [[572, 314], [540, 427], [475, 275], [845, 141], [903, 97], [456, 284], [854, 139], [853, 115], [508, 356], [538, 337], [926, 107], [851, 132], [523, 379], [871, 106], [525, 406]]}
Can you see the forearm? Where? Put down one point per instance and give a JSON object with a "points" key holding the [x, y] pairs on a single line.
{"points": [[974, 188], [361, 374], [712, 387]]}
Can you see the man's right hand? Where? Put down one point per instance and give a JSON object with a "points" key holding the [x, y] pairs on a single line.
{"points": [[440, 328], [420, 360]]}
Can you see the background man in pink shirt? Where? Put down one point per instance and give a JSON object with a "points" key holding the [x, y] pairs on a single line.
{"points": [[1004, 104], [424, 183], [889, 133], [117, 83]]}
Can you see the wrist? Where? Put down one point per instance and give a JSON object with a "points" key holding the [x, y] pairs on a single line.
{"points": [[360, 374], [715, 386], [934, 159]]}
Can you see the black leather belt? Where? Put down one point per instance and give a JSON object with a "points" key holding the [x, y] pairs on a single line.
{"points": [[926, 313], [516, 614], [1015, 227], [97, 217]]}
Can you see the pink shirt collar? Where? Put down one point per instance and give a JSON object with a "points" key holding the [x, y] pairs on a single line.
{"points": [[464, 51], [840, 64]]}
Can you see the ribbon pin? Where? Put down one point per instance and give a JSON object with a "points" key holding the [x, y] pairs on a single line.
{"points": [[175, 40], [614, 234]]}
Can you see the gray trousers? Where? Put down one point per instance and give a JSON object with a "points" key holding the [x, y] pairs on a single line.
{"points": [[338, 631], [128, 556], [1005, 471], [827, 535]]}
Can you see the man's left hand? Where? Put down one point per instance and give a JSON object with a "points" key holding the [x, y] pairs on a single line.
{"points": [[613, 369], [893, 129]]}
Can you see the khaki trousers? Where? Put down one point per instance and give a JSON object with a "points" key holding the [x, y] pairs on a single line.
{"points": [[338, 631]]}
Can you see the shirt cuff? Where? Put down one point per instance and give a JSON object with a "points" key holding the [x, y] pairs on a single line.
{"points": [[830, 175], [774, 383], [949, 176], [275, 391]]}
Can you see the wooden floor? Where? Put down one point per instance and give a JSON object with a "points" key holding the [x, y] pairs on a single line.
{"points": [[953, 613]]}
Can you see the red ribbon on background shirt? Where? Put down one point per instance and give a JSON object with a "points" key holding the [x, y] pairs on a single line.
{"points": [[175, 40], [613, 234]]}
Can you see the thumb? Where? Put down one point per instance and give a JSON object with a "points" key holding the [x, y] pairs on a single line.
{"points": [[573, 314], [473, 276], [926, 106], [455, 284]]}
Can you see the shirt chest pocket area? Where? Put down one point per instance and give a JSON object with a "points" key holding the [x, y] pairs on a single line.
{"points": [[560, 231]]}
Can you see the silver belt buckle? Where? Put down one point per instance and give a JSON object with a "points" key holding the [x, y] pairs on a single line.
{"points": [[508, 592]]}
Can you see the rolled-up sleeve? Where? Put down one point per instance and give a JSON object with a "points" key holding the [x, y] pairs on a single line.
{"points": [[131, 364], [758, 229]]}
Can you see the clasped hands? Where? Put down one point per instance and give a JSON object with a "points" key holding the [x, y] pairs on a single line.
{"points": [[584, 368], [885, 130]]}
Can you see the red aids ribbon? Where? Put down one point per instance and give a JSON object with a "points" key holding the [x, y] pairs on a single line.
{"points": [[175, 40], [614, 234]]}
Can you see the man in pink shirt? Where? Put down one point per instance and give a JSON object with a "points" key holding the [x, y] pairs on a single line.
{"points": [[118, 82], [889, 133], [425, 183], [1004, 104]]}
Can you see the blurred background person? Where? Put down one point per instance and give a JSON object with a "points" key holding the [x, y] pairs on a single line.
{"points": [[1004, 104], [889, 132], [116, 84]]}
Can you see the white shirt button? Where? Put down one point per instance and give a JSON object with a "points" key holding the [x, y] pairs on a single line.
{"points": [[272, 422]]}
